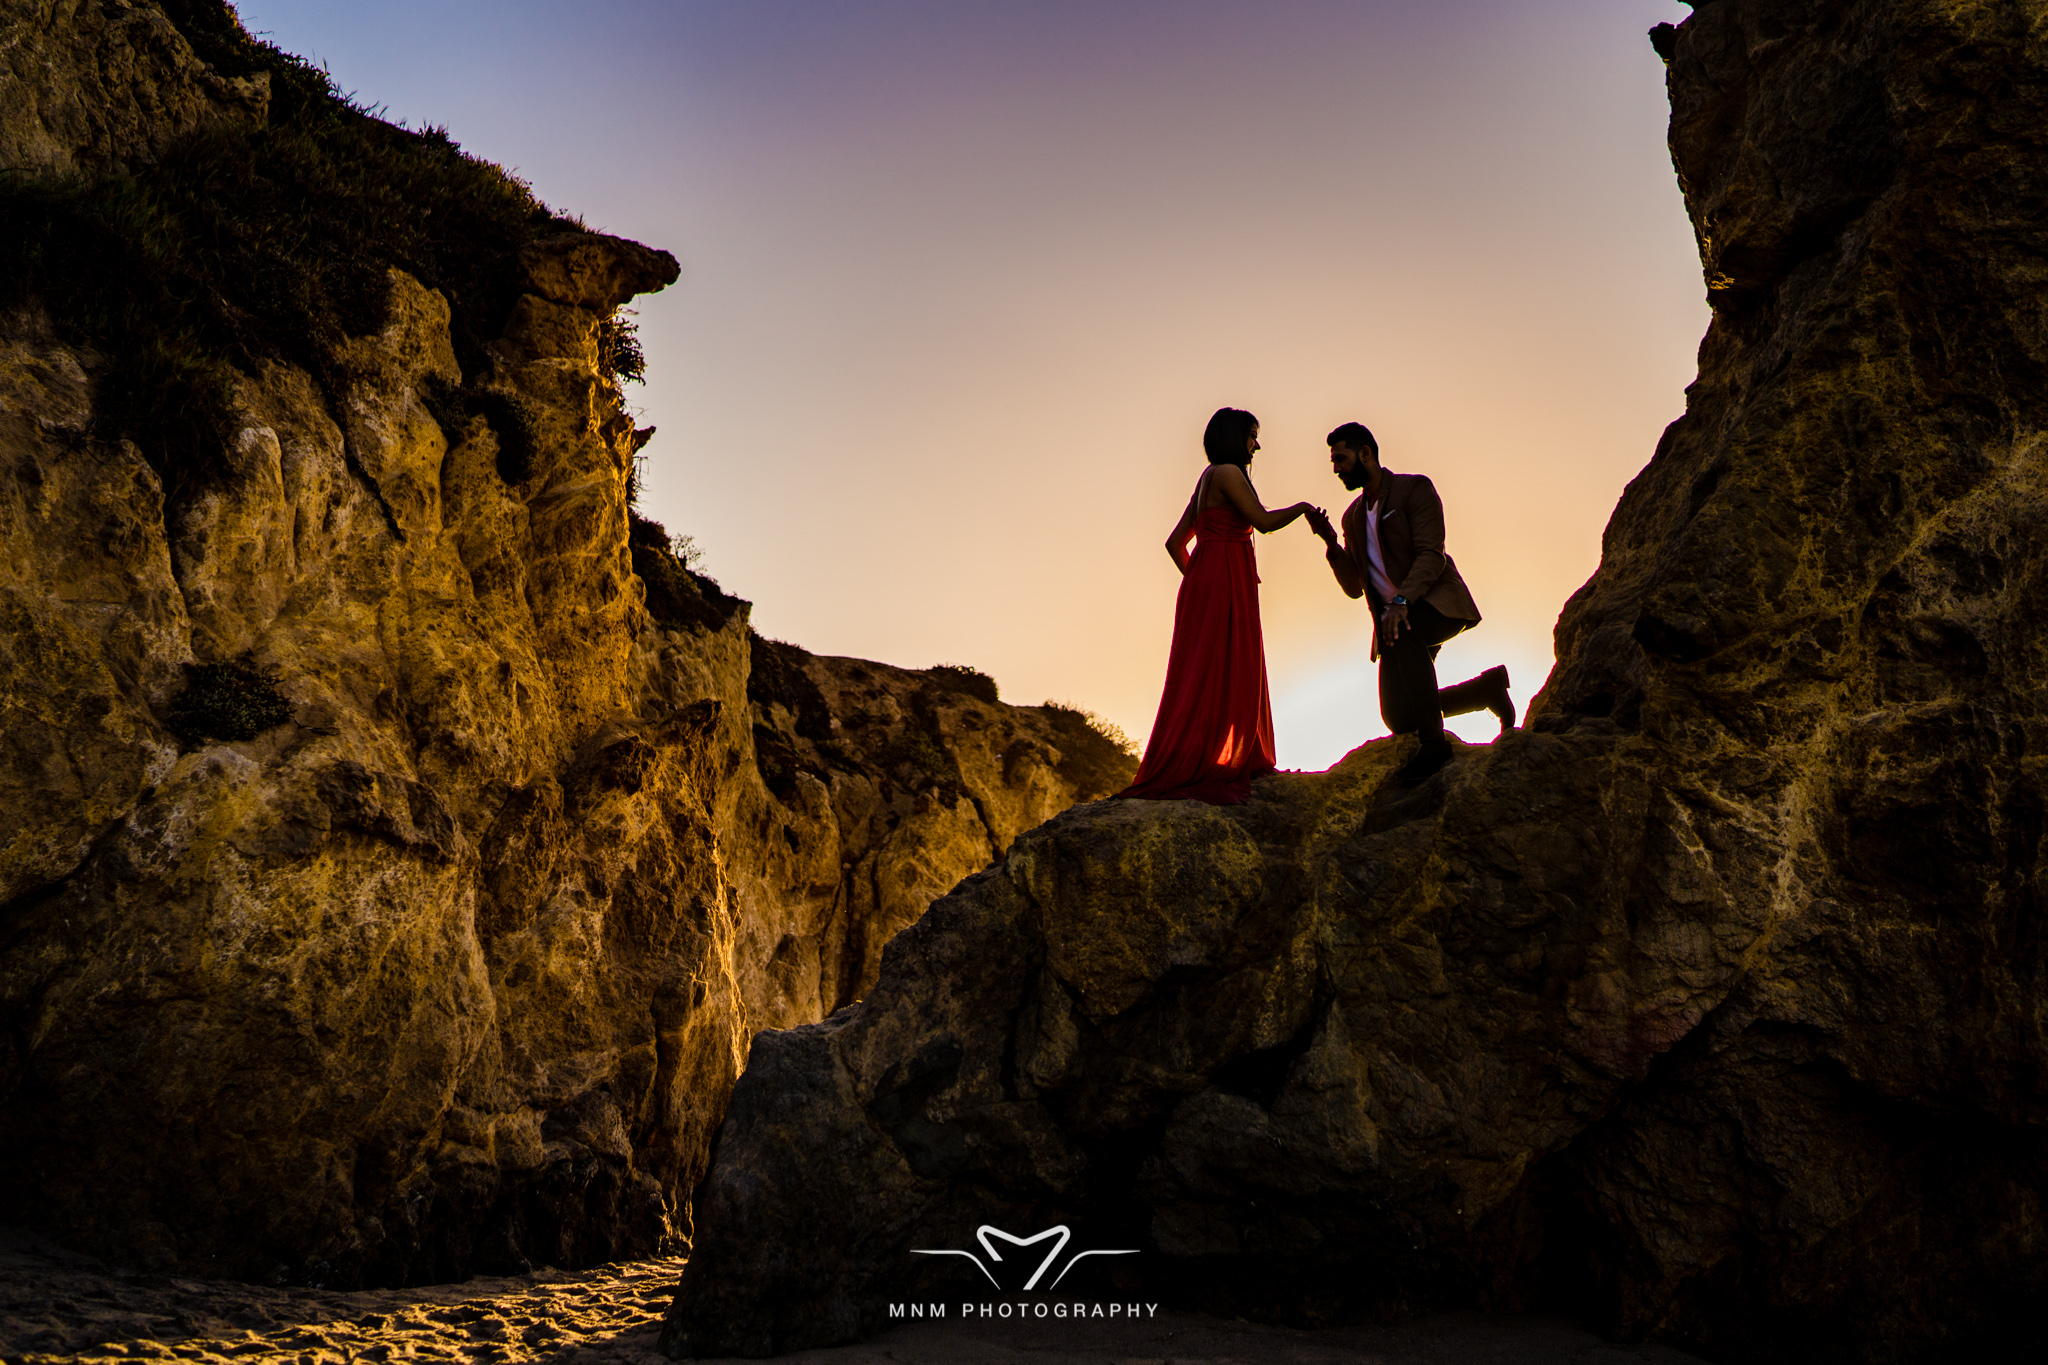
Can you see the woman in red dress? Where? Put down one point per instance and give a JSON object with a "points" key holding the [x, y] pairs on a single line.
{"points": [[1214, 732]]}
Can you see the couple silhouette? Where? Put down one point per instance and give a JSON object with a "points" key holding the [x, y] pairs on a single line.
{"points": [[1214, 731]]}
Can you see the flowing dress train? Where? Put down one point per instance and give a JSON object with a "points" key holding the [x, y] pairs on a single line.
{"points": [[1214, 731]]}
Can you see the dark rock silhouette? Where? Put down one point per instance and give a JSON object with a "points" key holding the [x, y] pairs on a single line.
{"points": [[1710, 1007]]}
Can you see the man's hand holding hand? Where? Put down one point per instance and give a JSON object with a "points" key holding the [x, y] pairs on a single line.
{"points": [[1319, 522]]}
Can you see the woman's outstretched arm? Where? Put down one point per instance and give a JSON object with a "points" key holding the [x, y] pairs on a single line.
{"points": [[1232, 483]]}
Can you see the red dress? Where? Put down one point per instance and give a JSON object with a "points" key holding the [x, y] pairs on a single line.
{"points": [[1214, 732]]}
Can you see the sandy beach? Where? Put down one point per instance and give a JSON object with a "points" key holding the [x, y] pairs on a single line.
{"points": [[59, 1306]]}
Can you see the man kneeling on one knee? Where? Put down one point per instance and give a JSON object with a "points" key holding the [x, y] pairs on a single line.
{"points": [[1392, 554]]}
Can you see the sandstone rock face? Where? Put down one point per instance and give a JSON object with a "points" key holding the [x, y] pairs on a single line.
{"points": [[1714, 1006], [453, 970], [88, 85]]}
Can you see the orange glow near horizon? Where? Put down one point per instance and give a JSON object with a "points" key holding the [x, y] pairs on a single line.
{"points": [[963, 282]]}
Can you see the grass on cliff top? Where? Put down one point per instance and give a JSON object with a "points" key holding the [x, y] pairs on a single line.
{"points": [[965, 679], [678, 597], [1096, 756], [244, 245]]}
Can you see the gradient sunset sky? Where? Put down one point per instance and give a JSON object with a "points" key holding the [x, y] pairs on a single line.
{"points": [[963, 281]]}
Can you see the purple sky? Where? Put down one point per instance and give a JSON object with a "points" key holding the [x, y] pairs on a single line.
{"points": [[962, 282]]}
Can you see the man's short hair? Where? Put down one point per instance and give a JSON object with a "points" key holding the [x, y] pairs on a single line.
{"points": [[1355, 435]]}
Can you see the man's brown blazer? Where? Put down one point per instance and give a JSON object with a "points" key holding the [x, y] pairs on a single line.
{"points": [[1412, 547]]}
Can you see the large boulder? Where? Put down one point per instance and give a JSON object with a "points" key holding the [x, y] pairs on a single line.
{"points": [[1711, 1006]]}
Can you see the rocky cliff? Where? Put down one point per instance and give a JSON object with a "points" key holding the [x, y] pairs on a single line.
{"points": [[1711, 1006], [399, 842]]}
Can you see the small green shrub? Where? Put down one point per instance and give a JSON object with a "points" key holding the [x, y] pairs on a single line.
{"points": [[678, 597], [913, 752], [1096, 756], [232, 701], [961, 678], [1067, 718], [619, 357]]}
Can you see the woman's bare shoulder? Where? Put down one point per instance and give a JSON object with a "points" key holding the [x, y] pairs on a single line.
{"points": [[1222, 484]]}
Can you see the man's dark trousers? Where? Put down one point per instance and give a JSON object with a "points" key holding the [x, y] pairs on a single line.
{"points": [[1408, 701]]}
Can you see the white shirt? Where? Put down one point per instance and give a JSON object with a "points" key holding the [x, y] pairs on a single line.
{"points": [[1375, 563]]}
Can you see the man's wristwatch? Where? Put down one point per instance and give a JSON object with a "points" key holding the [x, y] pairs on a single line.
{"points": [[1399, 601]]}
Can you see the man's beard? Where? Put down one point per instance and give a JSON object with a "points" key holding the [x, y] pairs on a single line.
{"points": [[1355, 478]]}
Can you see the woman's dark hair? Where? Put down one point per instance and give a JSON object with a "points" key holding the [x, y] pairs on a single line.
{"points": [[1228, 436], [1355, 435]]}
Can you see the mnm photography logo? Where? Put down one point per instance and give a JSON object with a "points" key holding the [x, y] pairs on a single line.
{"points": [[988, 1233], [1059, 1235]]}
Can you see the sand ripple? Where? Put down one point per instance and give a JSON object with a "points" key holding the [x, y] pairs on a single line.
{"points": [[56, 1306]]}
